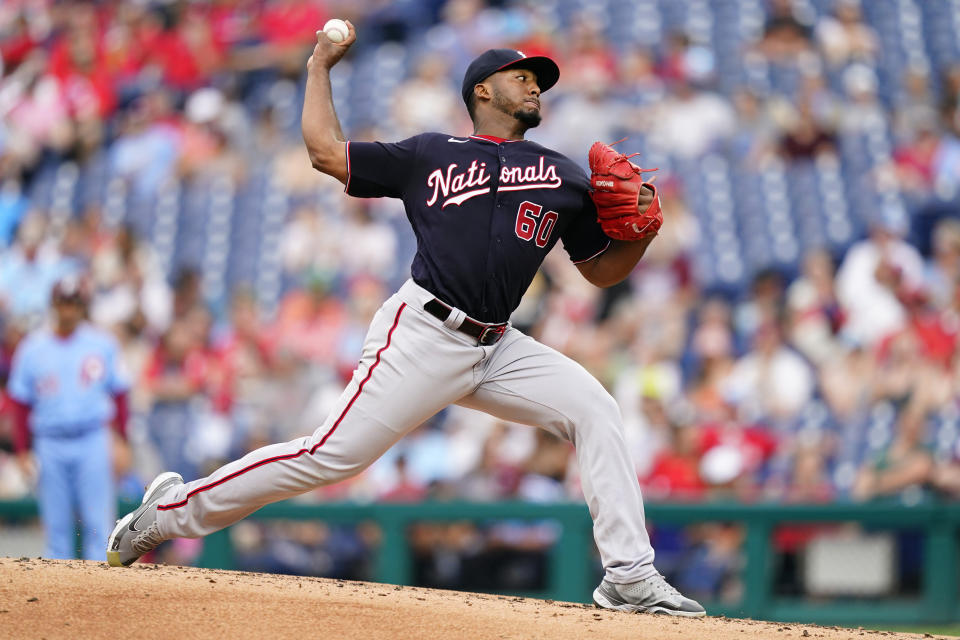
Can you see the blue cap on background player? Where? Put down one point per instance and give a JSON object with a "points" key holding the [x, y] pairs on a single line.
{"points": [[493, 60]]}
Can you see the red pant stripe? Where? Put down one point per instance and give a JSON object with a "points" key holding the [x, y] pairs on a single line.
{"points": [[291, 456]]}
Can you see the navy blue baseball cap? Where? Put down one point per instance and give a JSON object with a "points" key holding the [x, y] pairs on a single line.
{"points": [[493, 60]]}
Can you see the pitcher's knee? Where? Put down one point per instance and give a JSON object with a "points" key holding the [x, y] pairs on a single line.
{"points": [[595, 411], [332, 469], [600, 407], [608, 408]]}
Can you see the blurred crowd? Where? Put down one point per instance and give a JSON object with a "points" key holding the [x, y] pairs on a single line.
{"points": [[831, 376]]}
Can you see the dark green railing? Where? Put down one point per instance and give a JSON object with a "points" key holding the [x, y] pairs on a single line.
{"points": [[572, 562]]}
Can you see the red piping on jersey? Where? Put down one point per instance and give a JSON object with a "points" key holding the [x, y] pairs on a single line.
{"points": [[495, 139], [594, 255], [291, 456]]}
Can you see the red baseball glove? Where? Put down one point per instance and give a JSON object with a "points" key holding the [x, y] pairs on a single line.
{"points": [[627, 207]]}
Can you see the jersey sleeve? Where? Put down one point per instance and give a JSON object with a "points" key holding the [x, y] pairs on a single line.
{"points": [[584, 239], [380, 169], [20, 384]]}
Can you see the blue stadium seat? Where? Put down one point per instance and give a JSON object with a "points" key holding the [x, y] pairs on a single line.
{"points": [[164, 233], [945, 432], [940, 32]]}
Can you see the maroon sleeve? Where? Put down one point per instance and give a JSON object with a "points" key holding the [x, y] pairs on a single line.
{"points": [[121, 415], [21, 426]]}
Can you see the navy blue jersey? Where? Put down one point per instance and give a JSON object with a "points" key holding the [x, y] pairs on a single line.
{"points": [[485, 213]]}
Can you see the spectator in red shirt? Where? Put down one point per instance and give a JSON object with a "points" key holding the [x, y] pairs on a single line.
{"points": [[174, 377], [541, 41], [243, 355], [676, 470], [311, 322], [17, 44], [291, 22], [78, 62], [288, 29], [129, 38], [915, 160], [405, 488], [589, 58], [177, 370], [186, 51], [930, 332], [233, 22], [673, 67], [733, 454]]}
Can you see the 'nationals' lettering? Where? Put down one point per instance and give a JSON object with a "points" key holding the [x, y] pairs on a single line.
{"points": [[449, 183], [535, 176], [457, 188]]}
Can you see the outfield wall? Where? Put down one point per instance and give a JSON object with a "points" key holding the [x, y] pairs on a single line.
{"points": [[850, 550]]}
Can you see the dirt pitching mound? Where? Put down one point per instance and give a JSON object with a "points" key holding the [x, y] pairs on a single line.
{"points": [[77, 599]]}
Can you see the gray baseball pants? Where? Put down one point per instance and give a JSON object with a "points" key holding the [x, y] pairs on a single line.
{"points": [[412, 366]]}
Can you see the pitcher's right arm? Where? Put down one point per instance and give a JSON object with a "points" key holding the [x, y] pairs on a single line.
{"points": [[325, 142]]}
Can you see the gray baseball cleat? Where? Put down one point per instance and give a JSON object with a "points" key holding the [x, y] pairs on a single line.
{"points": [[650, 595], [137, 532]]}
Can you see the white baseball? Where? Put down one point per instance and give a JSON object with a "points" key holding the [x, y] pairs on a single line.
{"points": [[336, 29]]}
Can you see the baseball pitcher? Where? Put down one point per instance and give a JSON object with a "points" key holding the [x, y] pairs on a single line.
{"points": [[486, 209]]}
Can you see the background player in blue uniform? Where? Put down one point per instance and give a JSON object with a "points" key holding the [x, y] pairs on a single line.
{"points": [[69, 384], [486, 209]]}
